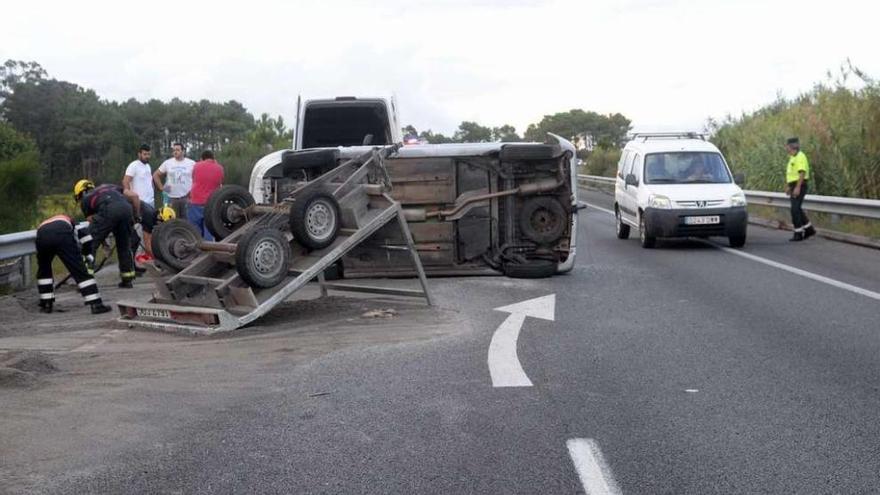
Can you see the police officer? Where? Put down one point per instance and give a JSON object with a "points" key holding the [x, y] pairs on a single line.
{"points": [[797, 176], [57, 236], [110, 211]]}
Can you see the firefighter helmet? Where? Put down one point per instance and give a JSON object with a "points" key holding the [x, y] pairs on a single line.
{"points": [[82, 186], [167, 213]]}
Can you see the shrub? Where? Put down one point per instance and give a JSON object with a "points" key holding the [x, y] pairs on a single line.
{"points": [[19, 180]]}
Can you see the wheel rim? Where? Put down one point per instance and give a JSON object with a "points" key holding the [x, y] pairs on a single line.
{"points": [[233, 213], [183, 244], [267, 257], [543, 221], [320, 220]]}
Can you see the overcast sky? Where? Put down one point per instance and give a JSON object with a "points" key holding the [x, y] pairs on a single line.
{"points": [[664, 64]]}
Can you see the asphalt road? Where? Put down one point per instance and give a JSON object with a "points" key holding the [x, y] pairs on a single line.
{"points": [[692, 369]]}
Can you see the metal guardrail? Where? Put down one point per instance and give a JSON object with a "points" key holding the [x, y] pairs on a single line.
{"points": [[854, 207], [17, 244]]}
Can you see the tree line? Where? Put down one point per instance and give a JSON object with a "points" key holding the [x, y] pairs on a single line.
{"points": [[54, 132]]}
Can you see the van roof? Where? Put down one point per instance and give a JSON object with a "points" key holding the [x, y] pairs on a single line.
{"points": [[665, 145]]}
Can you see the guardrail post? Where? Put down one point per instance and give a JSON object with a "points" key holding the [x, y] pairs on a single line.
{"points": [[26, 271]]}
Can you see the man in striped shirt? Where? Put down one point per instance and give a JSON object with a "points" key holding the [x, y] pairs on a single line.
{"points": [[58, 236]]}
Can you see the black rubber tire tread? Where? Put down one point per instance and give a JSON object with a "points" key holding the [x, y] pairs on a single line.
{"points": [[292, 161], [737, 241], [532, 269], [647, 241], [166, 234], [519, 152], [244, 257], [555, 209], [215, 215], [298, 227], [622, 228]]}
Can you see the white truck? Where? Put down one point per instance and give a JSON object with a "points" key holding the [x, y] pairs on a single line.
{"points": [[472, 208]]}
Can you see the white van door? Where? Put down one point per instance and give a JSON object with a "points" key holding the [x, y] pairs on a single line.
{"points": [[628, 199]]}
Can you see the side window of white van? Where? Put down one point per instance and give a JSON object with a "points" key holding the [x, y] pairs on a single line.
{"points": [[628, 164], [621, 163], [637, 167]]}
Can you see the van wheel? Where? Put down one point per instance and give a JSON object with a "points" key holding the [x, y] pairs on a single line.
{"points": [[543, 219], [532, 269], [647, 241], [737, 241], [622, 228]]}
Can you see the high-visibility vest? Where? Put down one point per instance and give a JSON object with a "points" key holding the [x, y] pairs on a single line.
{"points": [[57, 218], [796, 164]]}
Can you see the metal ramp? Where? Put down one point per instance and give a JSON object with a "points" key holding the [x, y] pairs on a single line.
{"points": [[210, 296]]}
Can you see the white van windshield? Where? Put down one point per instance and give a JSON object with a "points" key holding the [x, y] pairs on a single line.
{"points": [[686, 167]]}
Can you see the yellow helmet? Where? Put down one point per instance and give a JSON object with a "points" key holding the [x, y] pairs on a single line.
{"points": [[82, 186], [167, 213]]}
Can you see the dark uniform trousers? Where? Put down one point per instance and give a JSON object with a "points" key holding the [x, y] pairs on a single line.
{"points": [[115, 215], [57, 238], [798, 217]]}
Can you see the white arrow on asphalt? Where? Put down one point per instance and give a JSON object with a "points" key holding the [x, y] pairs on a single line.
{"points": [[504, 365]]}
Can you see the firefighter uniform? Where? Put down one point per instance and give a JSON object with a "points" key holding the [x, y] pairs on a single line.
{"points": [[58, 236], [111, 212]]}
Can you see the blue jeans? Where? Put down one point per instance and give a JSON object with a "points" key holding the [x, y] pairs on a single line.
{"points": [[196, 216]]}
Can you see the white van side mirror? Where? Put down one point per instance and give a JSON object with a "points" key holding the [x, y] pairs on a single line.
{"points": [[631, 180]]}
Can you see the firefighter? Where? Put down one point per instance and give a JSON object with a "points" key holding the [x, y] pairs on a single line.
{"points": [[110, 210], [58, 236]]}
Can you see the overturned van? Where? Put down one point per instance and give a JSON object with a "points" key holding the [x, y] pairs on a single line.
{"points": [[480, 208]]}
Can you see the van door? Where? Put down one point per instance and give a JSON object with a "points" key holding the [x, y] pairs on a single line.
{"points": [[627, 200]]}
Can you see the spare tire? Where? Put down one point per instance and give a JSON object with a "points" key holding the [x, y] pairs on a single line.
{"points": [[535, 268], [224, 210], [543, 219], [176, 242], [314, 219], [262, 257]]}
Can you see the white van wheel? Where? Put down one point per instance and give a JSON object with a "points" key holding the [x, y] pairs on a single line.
{"points": [[622, 228], [646, 240]]}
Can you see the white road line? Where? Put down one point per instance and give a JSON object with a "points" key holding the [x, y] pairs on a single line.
{"points": [[599, 208], [802, 273], [591, 467], [782, 266], [504, 366]]}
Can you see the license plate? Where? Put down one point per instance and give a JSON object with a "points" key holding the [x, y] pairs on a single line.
{"points": [[705, 220], [154, 313]]}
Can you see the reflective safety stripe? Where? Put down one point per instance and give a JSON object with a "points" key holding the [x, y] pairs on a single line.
{"points": [[86, 283], [799, 229], [45, 281], [127, 275], [47, 295], [92, 297], [808, 225], [56, 218], [86, 238], [81, 225]]}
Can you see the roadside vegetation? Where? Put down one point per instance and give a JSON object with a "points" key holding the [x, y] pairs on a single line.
{"points": [[838, 123]]}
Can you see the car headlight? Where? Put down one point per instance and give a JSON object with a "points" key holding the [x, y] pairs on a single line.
{"points": [[738, 199], [658, 201]]}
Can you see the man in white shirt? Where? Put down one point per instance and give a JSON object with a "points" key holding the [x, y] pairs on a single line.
{"points": [[139, 178], [178, 179]]}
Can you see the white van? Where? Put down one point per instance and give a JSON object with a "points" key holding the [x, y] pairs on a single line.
{"points": [[677, 185]]}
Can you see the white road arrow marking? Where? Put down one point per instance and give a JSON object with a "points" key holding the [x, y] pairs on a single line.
{"points": [[504, 365]]}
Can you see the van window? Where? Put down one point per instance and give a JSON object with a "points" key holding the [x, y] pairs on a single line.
{"points": [[688, 167], [349, 124], [628, 165], [637, 166], [620, 163]]}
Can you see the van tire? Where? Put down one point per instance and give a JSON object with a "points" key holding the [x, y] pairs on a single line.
{"points": [[647, 241], [529, 152], [542, 219], [622, 228], [737, 241], [217, 210], [292, 161], [532, 269]]}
